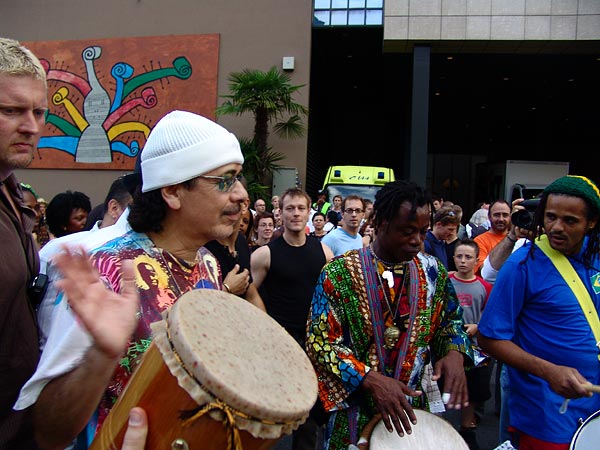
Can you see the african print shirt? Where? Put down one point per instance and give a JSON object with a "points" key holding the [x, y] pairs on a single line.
{"points": [[160, 278], [341, 338]]}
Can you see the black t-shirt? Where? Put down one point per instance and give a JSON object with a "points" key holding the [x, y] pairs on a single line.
{"points": [[289, 285], [226, 260]]}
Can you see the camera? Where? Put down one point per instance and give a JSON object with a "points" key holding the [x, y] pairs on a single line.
{"points": [[37, 289], [523, 218]]}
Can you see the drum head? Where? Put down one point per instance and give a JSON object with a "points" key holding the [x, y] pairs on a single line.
{"points": [[587, 436], [242, 356], [430, 433]]}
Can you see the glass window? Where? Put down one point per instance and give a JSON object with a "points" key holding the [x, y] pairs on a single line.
{"points": [[357, 3], [374, 17], [339, 17], [356, 17], [322, 4], [347, 12], [339, 4], [322, 18]]}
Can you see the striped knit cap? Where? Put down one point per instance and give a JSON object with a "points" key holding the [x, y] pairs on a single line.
{"points": [[577, 186]]}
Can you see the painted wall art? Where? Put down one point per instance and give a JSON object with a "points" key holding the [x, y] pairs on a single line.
{"points": [[105, 95]]}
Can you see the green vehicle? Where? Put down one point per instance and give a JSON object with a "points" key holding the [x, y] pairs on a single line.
{"points": [[364, 181]]}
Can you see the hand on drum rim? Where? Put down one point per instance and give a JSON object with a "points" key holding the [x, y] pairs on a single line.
{"points": [[389, 395]]}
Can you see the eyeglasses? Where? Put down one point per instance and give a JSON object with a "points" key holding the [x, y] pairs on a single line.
{"points": [[353, 211], [225, 182]]}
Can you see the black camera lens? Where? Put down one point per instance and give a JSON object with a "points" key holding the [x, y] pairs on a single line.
{"points": [[524, 217]]}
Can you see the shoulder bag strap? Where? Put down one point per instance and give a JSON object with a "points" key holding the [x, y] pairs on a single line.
{"points": [[573, 280]]}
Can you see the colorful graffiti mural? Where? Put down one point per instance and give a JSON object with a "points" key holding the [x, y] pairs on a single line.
{"points": [[105, 95]]}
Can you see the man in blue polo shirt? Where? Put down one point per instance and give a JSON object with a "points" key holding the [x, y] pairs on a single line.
{"points": [[346, 237], [534, 322]]}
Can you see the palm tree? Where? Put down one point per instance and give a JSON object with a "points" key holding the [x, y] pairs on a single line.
{"points": [[268, 95]]}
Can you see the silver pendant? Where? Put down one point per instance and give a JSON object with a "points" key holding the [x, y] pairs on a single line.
{"points": [[391, 336], [388, 276]]}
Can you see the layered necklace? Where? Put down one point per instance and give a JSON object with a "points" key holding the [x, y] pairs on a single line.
{"points": [[391, 334]]}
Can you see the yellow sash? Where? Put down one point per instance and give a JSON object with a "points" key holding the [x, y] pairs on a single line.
{"points": [[567, 271]]}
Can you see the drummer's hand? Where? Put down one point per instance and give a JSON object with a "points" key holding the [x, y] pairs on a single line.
{"points": [[110, 318], [390, 397], [137, 430], [566, 381], [237, 282], [452, 368]]}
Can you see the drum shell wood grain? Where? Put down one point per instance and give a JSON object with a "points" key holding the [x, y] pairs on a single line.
{"points": [[195, 360], [158, 392]]}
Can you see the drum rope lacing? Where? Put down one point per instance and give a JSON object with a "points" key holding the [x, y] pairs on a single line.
{"points": [[235, 442]]}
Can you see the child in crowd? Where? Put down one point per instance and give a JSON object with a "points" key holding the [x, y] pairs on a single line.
{"points": [[472, 292]]}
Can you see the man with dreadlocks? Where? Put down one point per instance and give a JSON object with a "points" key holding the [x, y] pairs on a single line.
{"points": [[385, 325], [535, 322]]}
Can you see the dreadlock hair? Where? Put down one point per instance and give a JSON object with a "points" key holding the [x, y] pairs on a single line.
{"points": [[391, 196], [593, 246]]}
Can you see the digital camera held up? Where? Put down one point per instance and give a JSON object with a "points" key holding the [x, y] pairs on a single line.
{"points": [[523, 218]]}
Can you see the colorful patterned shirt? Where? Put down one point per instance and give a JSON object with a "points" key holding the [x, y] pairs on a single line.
{"points": [[161, 278], [342, 332]]}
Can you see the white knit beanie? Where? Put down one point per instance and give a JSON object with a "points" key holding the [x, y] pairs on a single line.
{"points": [[183, 145]]}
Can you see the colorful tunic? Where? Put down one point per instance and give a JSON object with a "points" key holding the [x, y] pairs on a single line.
{"points": [[345, 339], [160, 279]]}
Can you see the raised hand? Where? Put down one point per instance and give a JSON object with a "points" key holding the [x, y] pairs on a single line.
{"points": [[109, 317]]}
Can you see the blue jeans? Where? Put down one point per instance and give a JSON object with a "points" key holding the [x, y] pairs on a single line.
{"points": [[504, 424]]}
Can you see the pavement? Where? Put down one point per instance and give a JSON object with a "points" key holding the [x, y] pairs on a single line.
{"points": [[487, 431]]}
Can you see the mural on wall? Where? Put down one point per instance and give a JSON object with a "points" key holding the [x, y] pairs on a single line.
{"points": [[105, 95]]}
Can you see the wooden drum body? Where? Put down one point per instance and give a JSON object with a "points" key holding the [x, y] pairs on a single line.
{"points": [[430, 433], [223, 365]]}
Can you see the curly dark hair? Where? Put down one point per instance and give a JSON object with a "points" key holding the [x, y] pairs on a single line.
{"points": [[593, 246], [58, 212], [391, 196], [148, 209]]}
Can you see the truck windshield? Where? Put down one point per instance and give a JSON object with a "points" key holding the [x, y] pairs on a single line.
{"points": [[366, 192]]}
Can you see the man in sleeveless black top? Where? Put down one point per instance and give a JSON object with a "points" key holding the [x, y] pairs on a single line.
{"points": [[286, 271]]}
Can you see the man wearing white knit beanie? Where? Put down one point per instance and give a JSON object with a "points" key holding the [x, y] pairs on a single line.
{"points": [[189, 195]]}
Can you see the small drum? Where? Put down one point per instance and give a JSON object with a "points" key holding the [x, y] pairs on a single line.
{"points": [[587, 436], [220, 373], [430, 433]]}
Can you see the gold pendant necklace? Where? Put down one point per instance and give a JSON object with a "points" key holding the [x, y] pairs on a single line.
{"points": [[391, 335]]}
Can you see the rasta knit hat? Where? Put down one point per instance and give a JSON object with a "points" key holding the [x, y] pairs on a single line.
{"points": [[184, 145], [576, 186]]}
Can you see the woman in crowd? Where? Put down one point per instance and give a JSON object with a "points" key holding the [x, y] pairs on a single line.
{"points": [[337, 206], [67, 213], [264, 227], [247, 224], [318, 221], [40, 231]]}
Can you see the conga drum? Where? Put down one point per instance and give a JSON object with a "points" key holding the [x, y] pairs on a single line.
{"points": [[587, 436], [430, 433], [220, 373]]}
